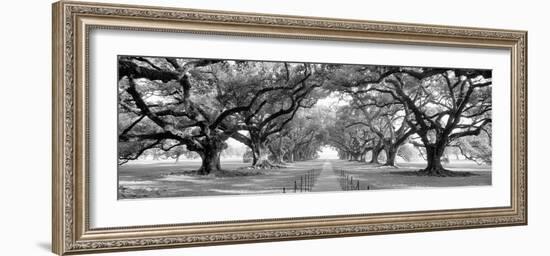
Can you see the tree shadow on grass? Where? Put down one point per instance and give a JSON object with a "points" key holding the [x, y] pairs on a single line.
{"points": [[447, 173], [223, 173]]}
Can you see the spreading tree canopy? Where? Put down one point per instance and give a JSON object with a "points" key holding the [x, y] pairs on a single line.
{"points": [[287, 111]]}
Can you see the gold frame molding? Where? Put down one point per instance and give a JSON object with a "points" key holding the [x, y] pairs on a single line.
{"points": [[72, 22]]}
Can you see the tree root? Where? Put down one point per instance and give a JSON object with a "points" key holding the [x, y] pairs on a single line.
{"points": [[443, 173], [266, 165], [236, 173]]}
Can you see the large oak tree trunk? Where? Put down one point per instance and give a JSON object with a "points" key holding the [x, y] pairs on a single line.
{"points": [[391, 153], [210, 162], [433, 156], [260, 156], [375, 153], [277, 156], [210, 155]]}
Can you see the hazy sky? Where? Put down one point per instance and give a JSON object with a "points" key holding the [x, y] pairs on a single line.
{"points": [[328, 153]]}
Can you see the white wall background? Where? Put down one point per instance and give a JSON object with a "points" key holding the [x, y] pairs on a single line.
{"points": [[25, 117]]}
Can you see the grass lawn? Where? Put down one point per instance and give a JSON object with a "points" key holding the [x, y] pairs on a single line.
{"points": [[168, 179], [382, 177], [141, 179]]}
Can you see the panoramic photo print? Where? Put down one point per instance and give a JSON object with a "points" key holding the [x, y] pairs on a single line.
{"points": [[212, 127]]}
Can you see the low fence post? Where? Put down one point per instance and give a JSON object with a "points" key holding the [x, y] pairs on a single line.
{"points": [[309, 178], [310, 181], [306, 181]]}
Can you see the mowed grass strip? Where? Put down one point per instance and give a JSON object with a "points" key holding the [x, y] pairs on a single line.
{"points": [[142, 180], [169, 179]]}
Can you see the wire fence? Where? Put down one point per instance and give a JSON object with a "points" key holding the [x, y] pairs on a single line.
{"points": [[303, 183], [347, 182]]}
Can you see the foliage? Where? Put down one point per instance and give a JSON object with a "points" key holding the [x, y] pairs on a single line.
{"points": [[284, 112]]}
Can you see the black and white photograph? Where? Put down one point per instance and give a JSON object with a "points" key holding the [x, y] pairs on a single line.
{"points": [[209, 127]]}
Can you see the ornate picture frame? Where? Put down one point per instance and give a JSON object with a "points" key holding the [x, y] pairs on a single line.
{"points": [[72, 23]]}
